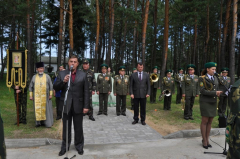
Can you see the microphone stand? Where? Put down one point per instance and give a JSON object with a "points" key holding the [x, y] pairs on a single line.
{"points": [[225, 147], [65, 105]]}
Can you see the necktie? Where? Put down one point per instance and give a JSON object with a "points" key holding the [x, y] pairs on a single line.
{"points": [[212, 79], [140, 76]]}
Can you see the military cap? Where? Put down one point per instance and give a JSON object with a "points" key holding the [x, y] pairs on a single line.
{"points": [[39, 64], [224, 69], [104, 66], [191, 66], [155, 67], [168, 71], [210, 64], [121, 68], [60, 65], [180, 69], [134, 69], [85, 61]]}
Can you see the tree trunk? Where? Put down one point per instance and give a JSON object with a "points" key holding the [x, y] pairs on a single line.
{"points": [[29, 54], [166, 27], [63, 33], [219, 38], [195, 39], [70, 27], [60, 34], [234, 33], [207, 35], [144, 32], [225, 29], [155, 33], [108, 57], [97, 35], [134, 38]]}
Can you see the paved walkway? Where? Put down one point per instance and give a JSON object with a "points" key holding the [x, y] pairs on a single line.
{"points": [[183, 148], [116, 129]]}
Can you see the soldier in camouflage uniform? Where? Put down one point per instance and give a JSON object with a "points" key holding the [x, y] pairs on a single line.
{"points": [[233, 123], [104, 88], [154, 86], [224, 80], [178, 79], [190, 90], [121, 90], [168, 84], [3, 153], [22, 102], [132, 103], [92, 86]]}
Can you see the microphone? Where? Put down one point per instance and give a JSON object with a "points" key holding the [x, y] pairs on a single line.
{"points": [[71, 68], [216, 74]]}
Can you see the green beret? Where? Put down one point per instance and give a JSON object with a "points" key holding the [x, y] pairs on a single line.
{"points": [[224, 69], [122, 68], [155, 67], [134, 69], [104, 66], [201, 70], [210, 64], [168, 71], [85, 61], [191, 66], [60, 65], [180, 69]]}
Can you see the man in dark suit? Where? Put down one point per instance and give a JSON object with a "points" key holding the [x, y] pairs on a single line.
{"points": [[140, 90], [77, 103]]}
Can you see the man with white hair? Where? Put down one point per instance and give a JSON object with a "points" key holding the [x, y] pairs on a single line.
{"points": [[41, 91]]}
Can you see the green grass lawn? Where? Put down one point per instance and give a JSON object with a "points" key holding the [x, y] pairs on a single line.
{"points": [[175, 116], [8, 112], [161, 118]]}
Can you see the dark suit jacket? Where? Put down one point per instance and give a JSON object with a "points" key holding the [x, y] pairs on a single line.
{"points": [[78, 94], [140, 88]]}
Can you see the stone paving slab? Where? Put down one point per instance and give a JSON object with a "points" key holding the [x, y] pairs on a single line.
{"points": [[115, 129]]}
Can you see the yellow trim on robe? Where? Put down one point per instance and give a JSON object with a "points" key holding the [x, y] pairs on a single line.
{"points": [[40, 97], [51, 93]]}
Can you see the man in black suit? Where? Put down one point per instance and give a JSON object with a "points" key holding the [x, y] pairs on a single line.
{"points": [[77, 103], [140, 90]]}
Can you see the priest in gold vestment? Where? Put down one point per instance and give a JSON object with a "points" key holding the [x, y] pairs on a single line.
{"points": [[40, 91]]}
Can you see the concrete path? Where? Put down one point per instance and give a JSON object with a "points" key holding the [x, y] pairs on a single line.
{"points": [[184, 148], [116, 129]]}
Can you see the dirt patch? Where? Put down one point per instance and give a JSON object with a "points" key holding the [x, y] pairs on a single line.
{"points": [[164, 128]]}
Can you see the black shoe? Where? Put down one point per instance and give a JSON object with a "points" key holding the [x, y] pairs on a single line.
{"points": [[99, 113], [19, 122], [206, 147], [58, 118], [62, 152], [143, 123], [191, 118], [91, 118], [134, 122], [105, 114], [123, 114], [24, 122], [38, 125], [80, 152], [209, 145], [186, 118], [118, 114]]}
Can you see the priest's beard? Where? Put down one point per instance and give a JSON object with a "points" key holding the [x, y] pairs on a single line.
{"points": [[40, 73]]}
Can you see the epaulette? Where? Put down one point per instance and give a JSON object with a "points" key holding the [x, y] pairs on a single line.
{"points": [[126, 75]]}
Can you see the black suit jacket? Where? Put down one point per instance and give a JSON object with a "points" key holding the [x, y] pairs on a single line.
{"points": [[78, 94], [140, 88]]}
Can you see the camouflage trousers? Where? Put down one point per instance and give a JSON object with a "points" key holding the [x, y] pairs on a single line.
{"points": [[233, 153], [22, 105]]}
